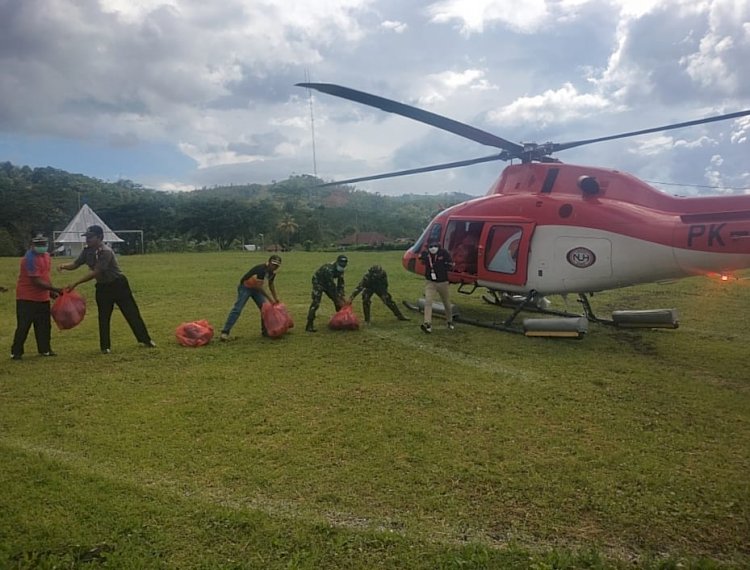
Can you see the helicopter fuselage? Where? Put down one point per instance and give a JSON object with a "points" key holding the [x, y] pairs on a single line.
{"points": [[560, 228]]}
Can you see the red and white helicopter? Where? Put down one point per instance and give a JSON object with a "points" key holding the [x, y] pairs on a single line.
{"points": [[549, 228]]}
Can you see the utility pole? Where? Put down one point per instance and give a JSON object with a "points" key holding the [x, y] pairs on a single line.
{"points": [[312, 124]]}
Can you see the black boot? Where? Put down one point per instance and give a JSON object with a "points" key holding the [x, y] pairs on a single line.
{"points": [[309, 327]]}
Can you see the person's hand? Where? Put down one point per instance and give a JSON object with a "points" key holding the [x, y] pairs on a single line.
{"points": [[60, 268], [69, 288], [55, 292]]}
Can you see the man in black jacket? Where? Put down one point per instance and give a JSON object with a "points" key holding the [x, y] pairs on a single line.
{"points": [[437, 263]]}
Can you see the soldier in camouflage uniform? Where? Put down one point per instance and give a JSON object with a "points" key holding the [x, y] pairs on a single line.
{"points": [[328, 279], [375, 282]]}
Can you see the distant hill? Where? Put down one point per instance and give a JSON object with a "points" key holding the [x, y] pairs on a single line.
{"points": [[290, 213]]}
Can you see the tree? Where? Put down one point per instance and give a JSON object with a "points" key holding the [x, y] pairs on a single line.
{"points": [[287, 227]]}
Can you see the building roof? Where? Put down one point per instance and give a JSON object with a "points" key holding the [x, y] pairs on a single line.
{"points": [[83, 219], [364, 238]]}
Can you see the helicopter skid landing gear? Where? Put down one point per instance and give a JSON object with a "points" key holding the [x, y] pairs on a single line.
{"points": [[568, 326], [654, 318], [565, 325]]}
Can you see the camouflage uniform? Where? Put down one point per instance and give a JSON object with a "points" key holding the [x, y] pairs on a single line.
{"points": [[375, 282], [329, 280]]}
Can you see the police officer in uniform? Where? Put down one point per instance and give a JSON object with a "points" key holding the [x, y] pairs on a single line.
{"points": [[375, 282], [112, 288], [328, 279]]}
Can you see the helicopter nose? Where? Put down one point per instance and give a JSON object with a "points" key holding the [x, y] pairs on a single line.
{"points": [[409, 261]]}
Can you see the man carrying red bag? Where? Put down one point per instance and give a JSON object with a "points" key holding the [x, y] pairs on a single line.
{"points": [[252, 286], [112, 288], [33, 291]]}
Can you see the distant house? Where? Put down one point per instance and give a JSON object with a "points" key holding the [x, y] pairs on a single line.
{"points": [[71, 238], [364, 238]]}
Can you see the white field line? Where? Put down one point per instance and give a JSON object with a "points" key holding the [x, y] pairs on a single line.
{"points": [[180, 490], [430, 350], [275, 508]]}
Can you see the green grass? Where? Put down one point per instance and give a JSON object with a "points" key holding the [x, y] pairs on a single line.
{"points": [[381, 448]]}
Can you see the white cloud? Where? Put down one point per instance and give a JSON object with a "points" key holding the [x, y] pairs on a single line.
{"points": [[741, 131], [552, 106], [441, 86], [474, 15], [398, 27]]}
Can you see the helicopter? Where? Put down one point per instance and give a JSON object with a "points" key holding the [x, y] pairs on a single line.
{"points": [[550, 228]]}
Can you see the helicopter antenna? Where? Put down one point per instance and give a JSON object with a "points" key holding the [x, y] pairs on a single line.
{"points": [[312, 124]]}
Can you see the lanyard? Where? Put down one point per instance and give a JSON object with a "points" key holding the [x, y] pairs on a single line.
{"points": [[432, 266]]}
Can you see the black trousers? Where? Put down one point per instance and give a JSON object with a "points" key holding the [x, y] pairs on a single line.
{"points": [[30, 313], [118, 293]]}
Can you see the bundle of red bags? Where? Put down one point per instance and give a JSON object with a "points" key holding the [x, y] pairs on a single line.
{"points": [[276, 319], [344, 320], [196, 333], [68, 309]]}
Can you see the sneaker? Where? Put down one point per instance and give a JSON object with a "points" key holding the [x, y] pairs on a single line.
{"points": [[50, 353], [15, 357], [106, 351], [310, 328], [426, 327], [224, 337], [450, 325], [149, 344]]}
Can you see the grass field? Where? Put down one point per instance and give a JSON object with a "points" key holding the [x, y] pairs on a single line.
{"points": [[380, 448]]}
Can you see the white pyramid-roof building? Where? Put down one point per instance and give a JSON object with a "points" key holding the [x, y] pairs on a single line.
{"points": [[71, 237], [81, 221]]}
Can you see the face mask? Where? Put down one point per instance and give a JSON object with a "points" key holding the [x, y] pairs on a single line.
{"points": [[341, 268], [40, 248], [433, 250]]}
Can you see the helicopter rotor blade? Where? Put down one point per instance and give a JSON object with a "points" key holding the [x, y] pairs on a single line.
{"points": [[444, 166], [513, 150], [564, 146]]}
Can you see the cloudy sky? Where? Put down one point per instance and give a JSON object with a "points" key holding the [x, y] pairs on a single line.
{"points": [[179, 94]]}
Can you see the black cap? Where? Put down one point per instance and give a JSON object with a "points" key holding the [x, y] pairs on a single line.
{"points": [[94, 231], [433, 243], [342, 260], [275, 260], [39, 238]]}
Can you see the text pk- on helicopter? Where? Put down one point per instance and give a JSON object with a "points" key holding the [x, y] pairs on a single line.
{"points": [[550, 228]]}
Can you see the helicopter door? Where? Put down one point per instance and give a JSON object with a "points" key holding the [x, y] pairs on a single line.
{"points": [[504, 253], [462, 241]]}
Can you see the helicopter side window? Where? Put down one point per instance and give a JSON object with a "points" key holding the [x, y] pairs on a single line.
{"points": [[501, 254], [461, 240]]}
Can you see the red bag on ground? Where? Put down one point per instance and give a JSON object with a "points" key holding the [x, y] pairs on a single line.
{"points": [[344, 320], [276, 318], [196, 333], [68, 309]]}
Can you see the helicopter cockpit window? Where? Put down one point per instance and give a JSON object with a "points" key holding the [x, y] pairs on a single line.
{"points": [[461, 240], [432, 233], [501, 254]]}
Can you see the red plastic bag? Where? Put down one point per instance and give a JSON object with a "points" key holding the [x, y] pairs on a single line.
{"points": [[68, 309], [196, 333], [276, 318], [344, 320]]}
